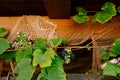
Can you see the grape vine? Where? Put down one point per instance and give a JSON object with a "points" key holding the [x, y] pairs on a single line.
{"points": [[29, 55]]}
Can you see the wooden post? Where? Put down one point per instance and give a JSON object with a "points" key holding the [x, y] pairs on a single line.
{"points": [[58, 9], [1, 66], [96, 63]]}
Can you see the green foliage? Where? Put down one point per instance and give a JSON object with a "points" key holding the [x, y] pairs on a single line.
{"points": [[111, 54], [21, 40], [72, 56], [28, 52], [27, 57], [7, 56], [108, 12], [80, 19], [3, 32], [118, 8], [103, 54], [64, 41], [81, 11], [19, 55], [43, 59], [108, 5], [116, 47], [4, 44], [54, 42], [81, 15], [55, 71], [40, 43], [111, 69], [24, 69], [88, 47]]}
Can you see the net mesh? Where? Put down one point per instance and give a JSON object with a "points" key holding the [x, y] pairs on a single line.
{"points": [[35, 26]]}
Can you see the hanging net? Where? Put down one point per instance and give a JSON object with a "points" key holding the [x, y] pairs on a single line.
{"points": [[35, 26]]}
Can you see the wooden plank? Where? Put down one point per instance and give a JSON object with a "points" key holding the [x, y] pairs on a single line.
{"points": [[96, 61], [58, 8]]}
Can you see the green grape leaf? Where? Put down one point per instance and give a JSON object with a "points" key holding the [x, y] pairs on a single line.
{"points": [[80, 19], [4, 44], [96, 16], [103, 17], [111, 69], [28, 52], [19, 55], [40, 43], [116, 47], [81, 11], [3, 32], [112, 54], [88, 47], [50, 53], [64, 41], [108, 12], [55, 71], [54, 42], [24, 69], [72, 56], [103, 54], [118, 8], [8, 56], [108, 5], [43, 59]]}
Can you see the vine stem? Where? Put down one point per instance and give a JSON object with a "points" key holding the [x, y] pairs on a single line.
{"points": [[81, 47], [72, 47], [12, 67], [114, 27]]}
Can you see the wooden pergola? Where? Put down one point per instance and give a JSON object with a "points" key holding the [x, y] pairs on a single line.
{"points": [[60, 12]]}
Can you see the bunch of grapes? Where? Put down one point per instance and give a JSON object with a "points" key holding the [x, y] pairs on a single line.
{"points": [[67, 55], [21, 41]]}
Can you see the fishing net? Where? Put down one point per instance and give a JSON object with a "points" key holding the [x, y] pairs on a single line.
{"points": [[35, 26]]}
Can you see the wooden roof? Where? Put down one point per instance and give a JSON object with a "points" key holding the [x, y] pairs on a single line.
{"points": [[52, 8]]}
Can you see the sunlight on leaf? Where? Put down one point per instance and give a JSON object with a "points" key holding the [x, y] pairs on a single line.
{"points": [[4, 44], [116, 47], [88, 47], [24, 69], [55, 42], [43, 59], [3, 32], [103, 54], [108, 12], [111, 69], [56, 71], [64, 41], [19, 55], [80, 19], [108, 5], [40, 43]]}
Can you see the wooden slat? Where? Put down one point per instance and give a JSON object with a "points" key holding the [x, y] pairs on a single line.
{"points": [[58, 8]]}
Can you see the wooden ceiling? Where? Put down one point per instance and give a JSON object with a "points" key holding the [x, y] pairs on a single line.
{"points": [[51, 8]]}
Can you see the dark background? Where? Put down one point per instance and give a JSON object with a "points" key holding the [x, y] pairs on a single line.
{"points": [[37, 7]]}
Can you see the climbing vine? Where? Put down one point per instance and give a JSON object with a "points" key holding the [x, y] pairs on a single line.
{"points": [[108, 11], [41, 53]]}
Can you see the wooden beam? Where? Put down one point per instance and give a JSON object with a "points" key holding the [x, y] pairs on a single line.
{"points": [[58, 8]]}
